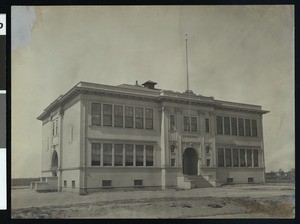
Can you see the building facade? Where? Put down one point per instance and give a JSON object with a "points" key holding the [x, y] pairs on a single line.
{"points": [[99, 136]]}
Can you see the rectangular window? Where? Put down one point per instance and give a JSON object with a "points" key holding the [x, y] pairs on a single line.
{"points": [[149, 155], [139, 118], [207, 125], [242, 158], [249, 158], [118, 116], [228, 157], [139, 155], [220, 157], [107, 115], [172, 122], [128, 155], [226, 126], [96, 154], [219, 125], [149, 118], [233, 126], [255, 157], [56, 127], [73, 183], [128, 117], [186, 123], [106, 183], [96, 114], [208, 162], [107, 154], [254, 128], [194, 124], [138, 183], [235, 156], [53, 128], [65, 183], [247, 126], [118, 155], [241, 126], [172, 162]]}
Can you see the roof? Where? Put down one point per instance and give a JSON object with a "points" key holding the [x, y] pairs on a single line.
{"points": [[140, 92]]}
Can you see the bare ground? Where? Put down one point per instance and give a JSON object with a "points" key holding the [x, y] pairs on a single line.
{"points": [[255, 201]]}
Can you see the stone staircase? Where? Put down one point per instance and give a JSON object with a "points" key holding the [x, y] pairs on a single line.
{"points": [[195, 181]]}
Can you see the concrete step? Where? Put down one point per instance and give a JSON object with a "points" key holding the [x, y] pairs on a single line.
{"points": [[198, 181]]}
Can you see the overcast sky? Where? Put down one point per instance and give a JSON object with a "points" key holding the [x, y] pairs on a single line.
{"points": [[236, 53]]}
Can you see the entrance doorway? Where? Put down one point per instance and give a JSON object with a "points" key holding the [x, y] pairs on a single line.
{"points": [[190, 162], [54, 163]]}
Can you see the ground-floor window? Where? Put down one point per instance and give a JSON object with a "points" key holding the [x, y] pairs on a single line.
{"points": [[73, 183], [107, 154], [172, 162], [65, 183], [96, 154], [139, 155], [221, 157], [128, 155]]}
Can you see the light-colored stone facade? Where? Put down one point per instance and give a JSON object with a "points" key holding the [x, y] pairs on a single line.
{"points": [[180, 121]]}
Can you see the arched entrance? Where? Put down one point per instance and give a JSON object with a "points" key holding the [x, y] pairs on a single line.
{"points": [[54, 163], [190, 162]]}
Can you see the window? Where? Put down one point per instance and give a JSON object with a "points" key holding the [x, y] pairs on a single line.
{"points": [[107, 154], [255, 157], [208, 162], [194, 124], [173, 148], [186, 123], [56, 127], [233, 126], [228, 157], [226, 126], [241, 126], [138, 183], [207, 149], [219, 125], [96, 154], [149, 118], [106, 183], [128, 155], [172, 122], [65, 183], [149, 155], [107, 115], [73, 183], [118, 116], [53, 128], [139, 118], [139, 155], [172, 162], [247, 126], [128, 117], [242, 158], [250, 180], [220, 157], [254, 128], [207, 125], [229, 180], [118, 155], [235, 156], [249, 157], [96, 114]]}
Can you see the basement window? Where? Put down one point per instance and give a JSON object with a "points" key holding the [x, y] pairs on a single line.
{"points": [[250, 180], [138, 183], [229, 180], [106, 183], [73, 183]]}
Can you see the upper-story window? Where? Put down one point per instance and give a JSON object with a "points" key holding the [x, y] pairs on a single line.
{"points": [[233, 126], [247, 127], [207, 125], [96, 114], [149, 118], [128, 117], [107, 114], [139, 118], [118, 116], [241, 126], [226, 126], [193, 124], [172, 122], [254, 128], [189, 123], [55, 127], [186, 123], [219, 125]]}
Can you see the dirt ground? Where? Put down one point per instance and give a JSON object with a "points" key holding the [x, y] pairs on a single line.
{"points": [[236, 201]]}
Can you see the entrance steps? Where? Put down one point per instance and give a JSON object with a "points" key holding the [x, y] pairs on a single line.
{"points": [[45, 184], [195, 181]]}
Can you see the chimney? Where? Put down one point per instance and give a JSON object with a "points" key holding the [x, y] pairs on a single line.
{"points": [[136, 82], [149, 84]]}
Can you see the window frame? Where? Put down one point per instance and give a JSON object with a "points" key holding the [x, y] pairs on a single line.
{"points": [[147, 119], [108, 115], [220, 130], [118, 116], [96, 115], [129, 117], [139, 118]]}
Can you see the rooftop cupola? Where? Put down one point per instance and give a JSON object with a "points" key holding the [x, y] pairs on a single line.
{"points": [[149, 84]]}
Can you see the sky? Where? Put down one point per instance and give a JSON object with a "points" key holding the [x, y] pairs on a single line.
{"points": [[236, 53]]}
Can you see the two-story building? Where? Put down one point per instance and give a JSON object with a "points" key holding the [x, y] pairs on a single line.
{"points": [[99, 136]]}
